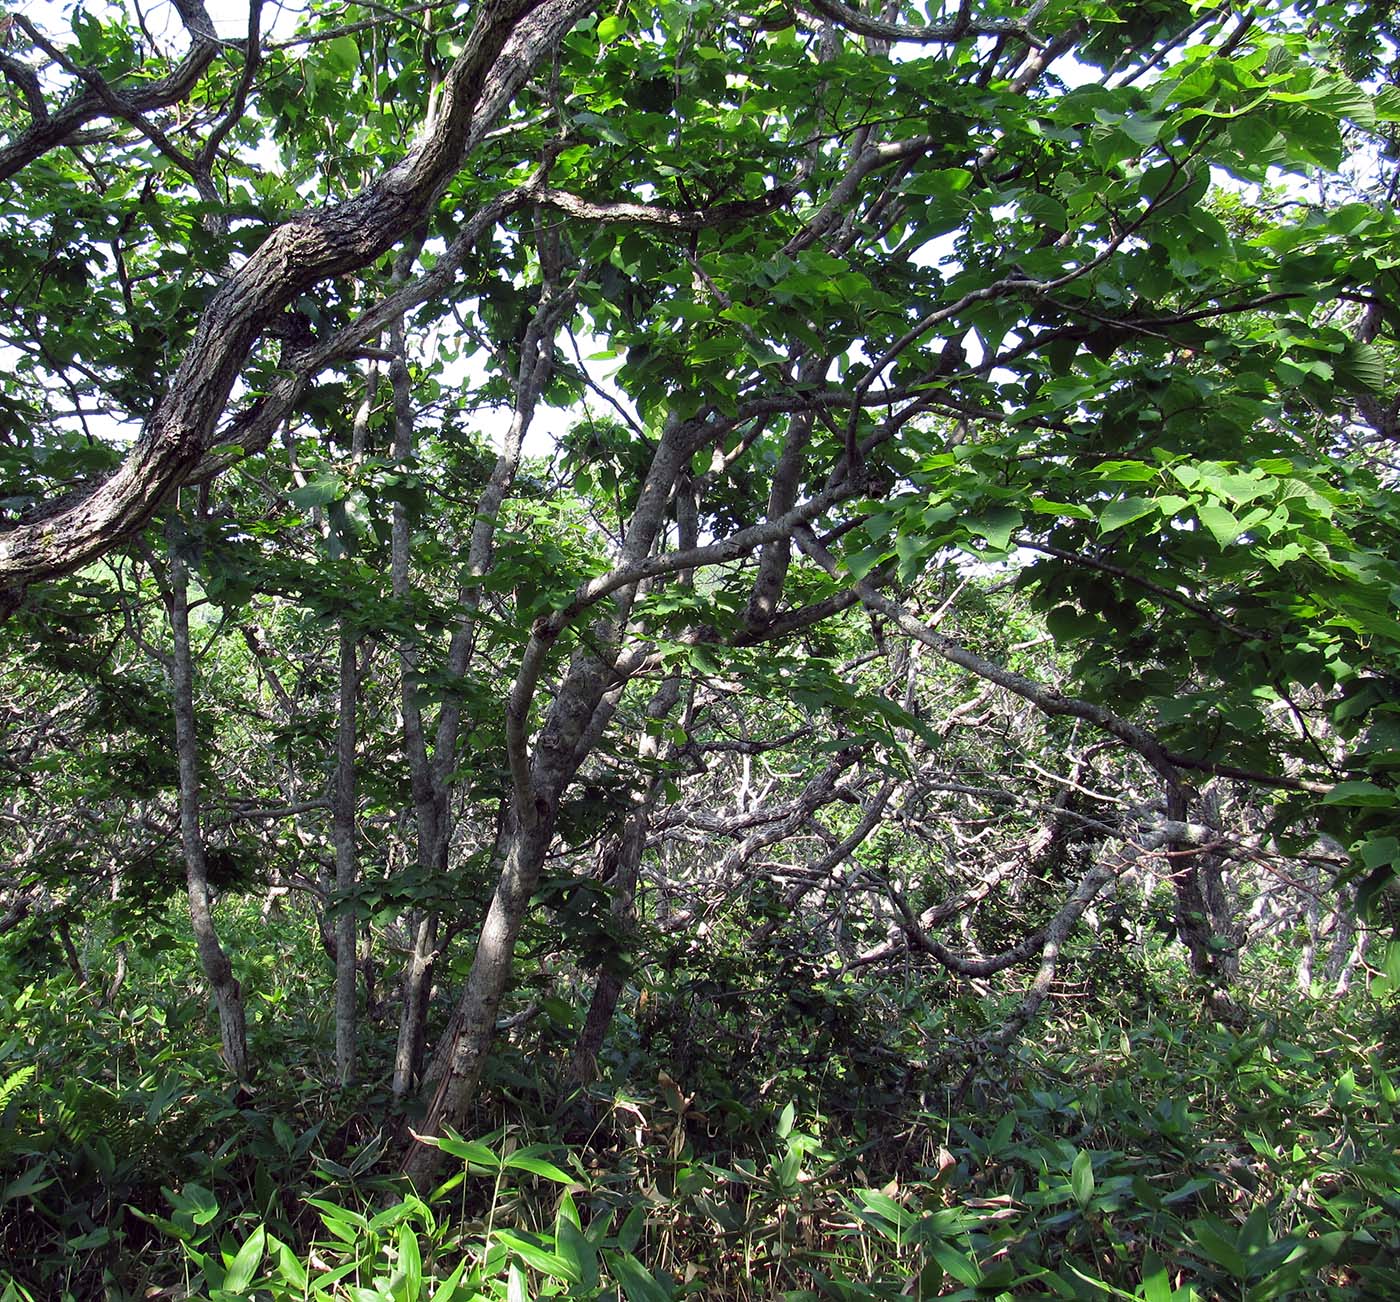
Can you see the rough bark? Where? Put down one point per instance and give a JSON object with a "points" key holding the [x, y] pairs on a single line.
{"points": [[1193, 922], [51, 130], [506, 41]]}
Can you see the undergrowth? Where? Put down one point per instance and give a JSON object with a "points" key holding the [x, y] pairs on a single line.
{"points": [[1149, 1152]]}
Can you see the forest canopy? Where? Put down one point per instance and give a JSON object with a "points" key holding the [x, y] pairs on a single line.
{"points": [[560, 522]]}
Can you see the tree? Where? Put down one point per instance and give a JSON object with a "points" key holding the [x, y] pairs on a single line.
{"points": [[889, 300]]}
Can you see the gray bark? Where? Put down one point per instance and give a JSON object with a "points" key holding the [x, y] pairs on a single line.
{"points": [[343, 841], [1343, 953], [607, 989], [428, 811], [775, 557], [218, 971], [505, 43], [343, 798], [430, 775], [1312, 918], [538, 783]]}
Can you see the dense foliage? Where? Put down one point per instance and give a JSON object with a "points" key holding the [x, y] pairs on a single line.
{"points": [[754, 650]]}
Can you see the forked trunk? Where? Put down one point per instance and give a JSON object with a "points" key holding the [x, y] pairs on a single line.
{"points": [[416, 982]]}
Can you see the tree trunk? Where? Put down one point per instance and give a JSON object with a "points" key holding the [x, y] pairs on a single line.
{"points": [[1193, 927], [228, 994], [1313, 919], [607, 989], [416, 984], [429, 811], [538, 781], [431, 778], [505, 42], [462, 1059], [343, 840], [583, 1067], [1341, 951], [70, 952]]}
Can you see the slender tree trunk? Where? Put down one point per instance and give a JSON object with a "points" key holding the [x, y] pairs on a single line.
{"points": [[428, 811], [627, 857], [343, 841], [70, 952], [1193, 927], [118, 978], [343, 795], [583, 1067], [538, 783], [607, 988], [228, 994], [463, 1059], [1313, 920], [1342, 946], [431, 778], [413, 1014], [1353, 962]]}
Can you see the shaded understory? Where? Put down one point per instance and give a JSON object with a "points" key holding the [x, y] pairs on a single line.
{"points": [[741, 1144]]}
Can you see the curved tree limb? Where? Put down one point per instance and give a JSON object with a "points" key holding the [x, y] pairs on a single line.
{"points": [[506, 41], [53, 130], [960, 27]]}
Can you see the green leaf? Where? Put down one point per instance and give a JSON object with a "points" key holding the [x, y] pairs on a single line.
{"points": [[1156, 1283], [1222, 525], [1362, 368], [886, 1206], [1380, 851], [1071, 510], [410, 1266], [577, 1251], [541, 1258], [342, 54], [785, 1121], [289, 1267], [1209, 1235], [319, 492], [1065, 623], [244, 1266], [948, 181], [1126, 471], [1365, 794], [630, 1232], [538, 1166], [1124, 511], [447, 1290], [996, 525], [1081, 1177], [29, 1183], [962, 1266], [195, 1201], [610, 28], [469, 1150], [638, 1283]]}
